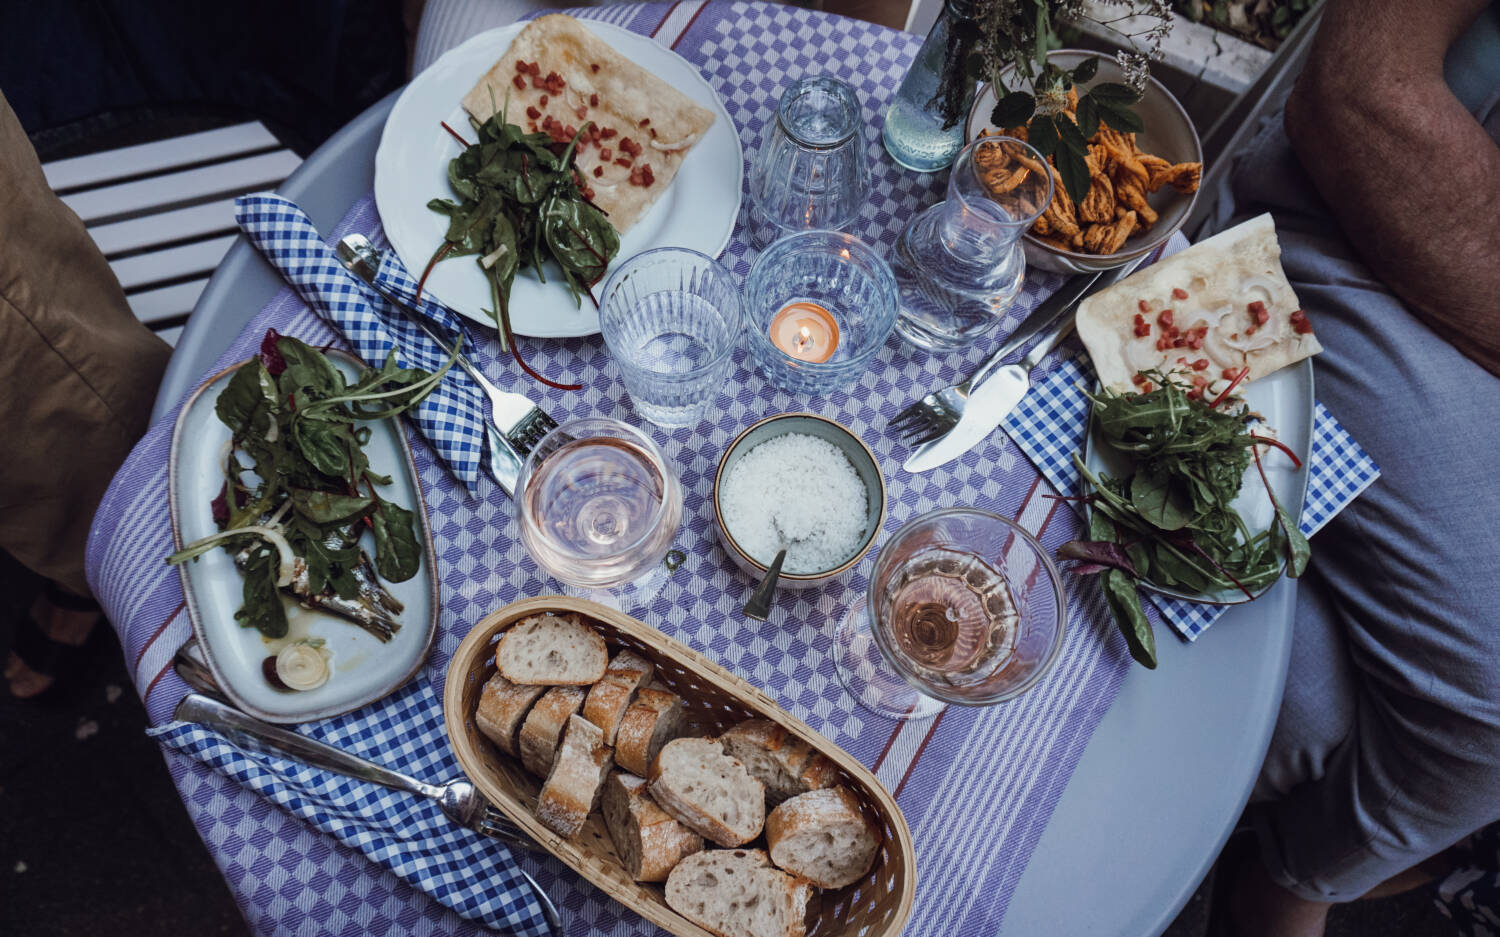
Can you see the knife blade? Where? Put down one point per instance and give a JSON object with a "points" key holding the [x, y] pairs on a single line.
{"points": [[1000, 390]]}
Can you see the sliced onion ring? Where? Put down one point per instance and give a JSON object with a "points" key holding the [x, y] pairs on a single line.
{"points": [[682, 144], [302, 666]]}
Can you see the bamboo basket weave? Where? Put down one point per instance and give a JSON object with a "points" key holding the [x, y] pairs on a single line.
{"points": [[875, 906]]}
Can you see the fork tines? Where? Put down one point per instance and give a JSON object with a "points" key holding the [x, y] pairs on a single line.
{"points": [[918, 424], [526, 434]]}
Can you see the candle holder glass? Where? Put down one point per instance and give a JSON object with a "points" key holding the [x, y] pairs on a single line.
{"points": [[960, 263], [833, 271]]}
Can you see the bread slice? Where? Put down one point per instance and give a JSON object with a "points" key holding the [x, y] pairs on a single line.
{"points": [[824, 837], [544, 725], [737, 893], [572, 789], [502, 706], [709, 791], [653, 720], [647, 839], [611, 696], [552, 651], [785, 764]]}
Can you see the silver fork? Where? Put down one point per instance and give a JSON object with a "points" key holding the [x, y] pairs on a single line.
{"points": [[460, 801], [515, 424], [938, 412]]}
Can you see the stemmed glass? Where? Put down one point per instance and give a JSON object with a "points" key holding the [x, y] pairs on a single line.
{"points": [[598, 507], [963, 606]]}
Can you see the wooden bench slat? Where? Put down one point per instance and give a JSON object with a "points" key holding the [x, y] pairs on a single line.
{"points": [[231, 178], [198, 257], [166, 302], [97, 168], [176, 225]]}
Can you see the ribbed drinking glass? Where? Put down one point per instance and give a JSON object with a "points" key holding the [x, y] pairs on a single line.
{"points": [[811, 171]]}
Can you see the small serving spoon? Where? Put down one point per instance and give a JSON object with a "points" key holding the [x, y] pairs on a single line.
{"points": [[758, 606]]}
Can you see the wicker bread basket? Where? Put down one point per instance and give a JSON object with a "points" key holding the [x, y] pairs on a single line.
{"points": [[875, 906]]}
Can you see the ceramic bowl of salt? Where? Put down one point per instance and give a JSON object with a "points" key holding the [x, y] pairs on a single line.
{"points": [[803, 482]]}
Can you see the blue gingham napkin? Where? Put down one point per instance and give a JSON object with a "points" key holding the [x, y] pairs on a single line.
{"points": [[451, 417], [1052, 420], [474, 875]]}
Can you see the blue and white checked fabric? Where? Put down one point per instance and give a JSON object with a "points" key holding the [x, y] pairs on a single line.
{"points": [[1052, 420], [317, 854], [451, 417]]}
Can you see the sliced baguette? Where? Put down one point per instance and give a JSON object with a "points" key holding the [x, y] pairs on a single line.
{"points": [[572, 789], [824, 837], [737, 893], [710, 792], [785, 764], [502, 706], [647, 839], [611, 696], [653, 720], [544, 726], [552, 651]]}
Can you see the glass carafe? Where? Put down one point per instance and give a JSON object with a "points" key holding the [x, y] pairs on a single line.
{"points": [[916, 133], [959, 264]]}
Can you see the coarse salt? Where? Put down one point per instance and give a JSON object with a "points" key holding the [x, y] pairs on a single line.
{"points": [[806, 487]]}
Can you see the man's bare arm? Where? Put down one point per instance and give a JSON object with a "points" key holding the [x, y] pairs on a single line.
{"points": [[1411, 176]]}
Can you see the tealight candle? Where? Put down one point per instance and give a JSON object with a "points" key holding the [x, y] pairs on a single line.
{"points": [[805, 331]]}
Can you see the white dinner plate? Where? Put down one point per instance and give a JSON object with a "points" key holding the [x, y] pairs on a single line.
{"points": [[364, 669], [1285, 399], [697, 210]]}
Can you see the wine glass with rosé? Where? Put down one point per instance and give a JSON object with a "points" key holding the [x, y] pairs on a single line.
{"points": [[964, 607], [598, 507]]}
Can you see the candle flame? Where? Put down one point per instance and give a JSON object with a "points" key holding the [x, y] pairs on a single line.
{"points": [[804, 338]]}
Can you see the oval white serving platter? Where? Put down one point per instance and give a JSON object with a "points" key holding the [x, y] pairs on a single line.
{"points": [[364, 669]]}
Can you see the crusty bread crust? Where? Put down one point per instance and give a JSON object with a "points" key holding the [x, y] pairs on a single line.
{"points": [[709, 791], [572, 788], [824, 837], [552, 650], [544, 726], [653, 720], [502, 707], [612, 695], [648, 840], [785, 764], [738, 893]]}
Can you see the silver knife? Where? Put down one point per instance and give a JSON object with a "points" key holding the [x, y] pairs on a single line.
{"points": [[999, 390]]}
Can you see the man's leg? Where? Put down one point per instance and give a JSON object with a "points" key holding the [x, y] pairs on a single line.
{"points": [[1408, 571]]}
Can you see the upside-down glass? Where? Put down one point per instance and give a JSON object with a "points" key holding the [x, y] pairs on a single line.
{"points": [[837, 272], [598, 507], [959, 264], [963, 606], [671, 319], [811, 171]]}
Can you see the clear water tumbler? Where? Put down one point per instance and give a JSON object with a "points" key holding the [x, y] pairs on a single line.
{"points": [[812, 171], [671, 319]]}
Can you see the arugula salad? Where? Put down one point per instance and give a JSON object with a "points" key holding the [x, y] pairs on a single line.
{"points": [[1171, 521], [299, 493]]}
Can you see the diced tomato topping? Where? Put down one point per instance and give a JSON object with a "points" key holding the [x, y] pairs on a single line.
{"points": [[1229, 374], [1179, 293], [630, 147], [581, 111], [622, 161], [594, 68], [1138, 379], [520, 66], [1163, 343], [1147, 387], [606, 154], [533, 113], [1142, 305], [544, 100], [1250, 330], [1165, 319], [598, 171], [519, 82], [653, 133], [587, 191], [1300, 325], [1142, 327], [534, 68], [1201, 364], [645, 122], [642, 175], [1259, 313], [1179, 342], [593, 100], [608, 132]]}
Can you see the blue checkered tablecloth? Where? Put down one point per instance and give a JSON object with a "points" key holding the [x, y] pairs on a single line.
{"points": [[306, 852]]}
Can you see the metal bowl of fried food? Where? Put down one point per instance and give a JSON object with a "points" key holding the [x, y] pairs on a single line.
{"points": [[1143, 184]]}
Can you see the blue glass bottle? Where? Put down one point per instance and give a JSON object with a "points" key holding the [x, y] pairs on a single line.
{"points": [[913, 132]]}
